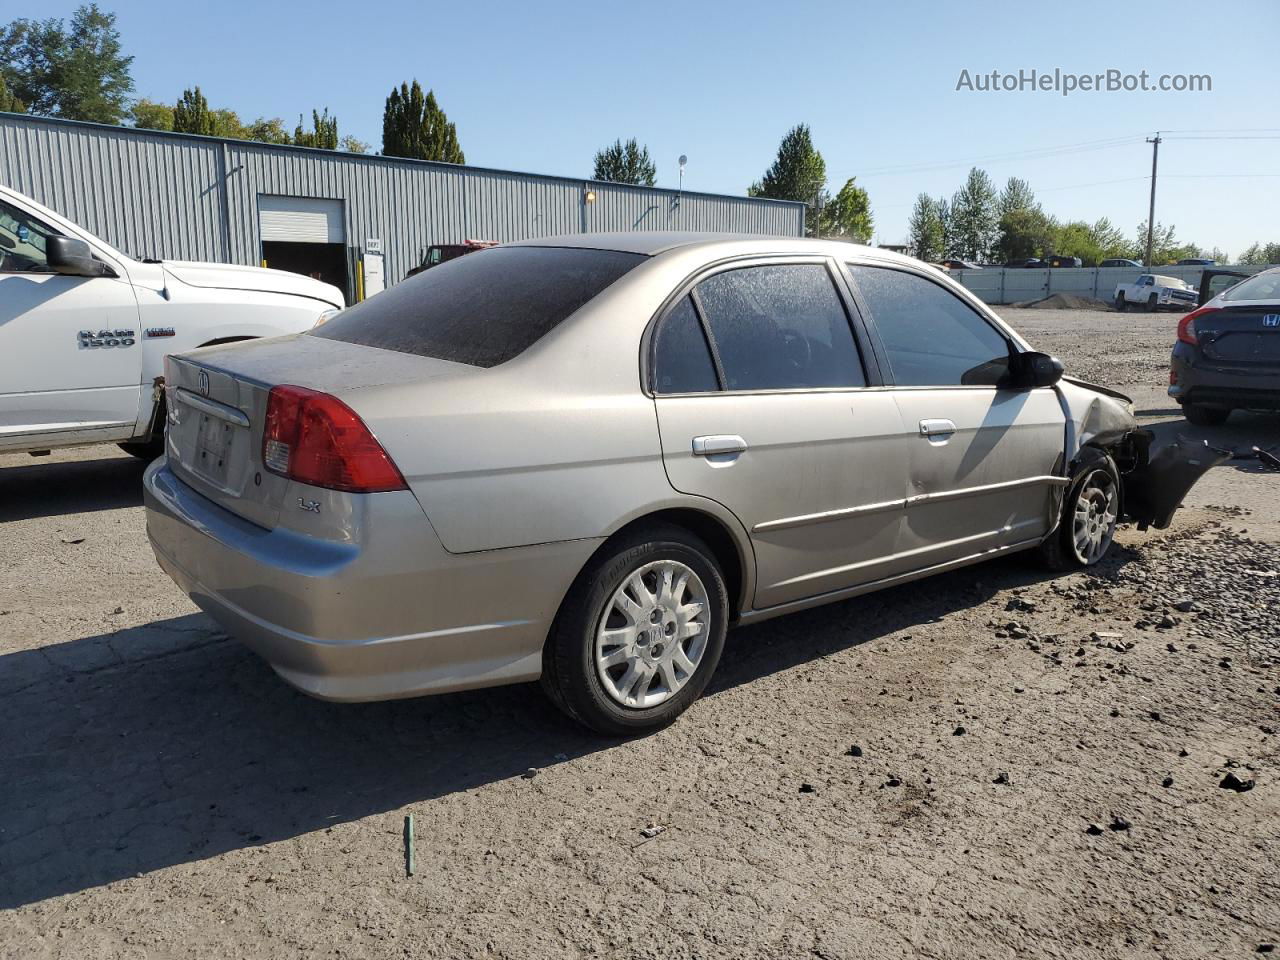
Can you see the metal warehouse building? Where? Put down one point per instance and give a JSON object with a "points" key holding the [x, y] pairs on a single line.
{"points": [[346, 218]]}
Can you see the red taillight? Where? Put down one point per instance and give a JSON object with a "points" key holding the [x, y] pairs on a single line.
{"points": [[1187, 325], [315, 438]]}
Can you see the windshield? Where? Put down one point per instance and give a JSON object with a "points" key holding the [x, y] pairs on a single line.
{"points": [[1264, 286], [482, 309]]}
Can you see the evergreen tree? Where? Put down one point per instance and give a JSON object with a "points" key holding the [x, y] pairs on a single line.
{"points": [[323, 133], [926, 237], [798, 173], [77, 72], [625, 163], [191, 114], [847, 216], [1016, 195], [975, 219], [413, 125]]}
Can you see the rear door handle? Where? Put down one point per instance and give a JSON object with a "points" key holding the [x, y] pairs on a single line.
{"points": [[720, 443], [936, 428]]}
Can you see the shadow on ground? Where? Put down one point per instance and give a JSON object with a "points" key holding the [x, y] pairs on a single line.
{"points": [[164, 744], [49, 489]]}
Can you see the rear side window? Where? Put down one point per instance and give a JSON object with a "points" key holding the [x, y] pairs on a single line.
{"points": [[484, 308], [1263, 286], [780, 327], [681, 358], [932, 337]]}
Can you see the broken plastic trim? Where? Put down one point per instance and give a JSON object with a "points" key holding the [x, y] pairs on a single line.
{"points": [[1157, 485]]}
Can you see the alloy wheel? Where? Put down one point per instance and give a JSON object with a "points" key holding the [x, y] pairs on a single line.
{"points": [[1094, 517], [653, 634]]}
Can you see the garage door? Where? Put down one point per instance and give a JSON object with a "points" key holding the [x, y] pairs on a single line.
{"points": [[300, 219]]}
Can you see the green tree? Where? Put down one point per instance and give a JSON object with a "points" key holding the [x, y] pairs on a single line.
{"points": [[76, 71], [191, 114], [625, 163], [9, 103], [1016, 195], [943, 206], [413, 125], [1257, 253], [263, 130], [1024, 232], [924, 230], [1164, 243], [149, 115], [975, 220], [323, 133], [353, 145], [797, 173], [847, 215]]}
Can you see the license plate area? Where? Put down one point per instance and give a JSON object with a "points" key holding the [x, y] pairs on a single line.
{"points": [[214, 441]]}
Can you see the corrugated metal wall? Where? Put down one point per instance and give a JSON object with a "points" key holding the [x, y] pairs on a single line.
{"points": [[195, 198]]}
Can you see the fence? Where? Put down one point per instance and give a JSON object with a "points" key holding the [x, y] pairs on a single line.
{"points": [[1001, 285]]}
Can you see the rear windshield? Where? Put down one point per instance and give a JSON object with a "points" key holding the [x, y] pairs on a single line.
{"points": [[484, 308], [1263, 286]]}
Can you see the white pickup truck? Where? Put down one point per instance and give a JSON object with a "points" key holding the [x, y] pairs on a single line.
{"points": [[1152, 291], [84, 329]]}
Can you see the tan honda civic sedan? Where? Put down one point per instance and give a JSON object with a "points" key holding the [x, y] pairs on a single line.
{"points": [[582, 459]]}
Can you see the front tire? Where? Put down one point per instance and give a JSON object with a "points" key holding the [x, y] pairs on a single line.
{"points": [[1152, 303], [1121, 303], [1088, 524], [1205, 416], [639, 634]]}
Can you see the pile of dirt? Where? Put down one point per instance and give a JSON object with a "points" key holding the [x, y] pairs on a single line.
{"points": [[1064, 301]]}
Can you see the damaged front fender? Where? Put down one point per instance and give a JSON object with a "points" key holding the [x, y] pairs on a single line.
{"points": [[1156, 486]]}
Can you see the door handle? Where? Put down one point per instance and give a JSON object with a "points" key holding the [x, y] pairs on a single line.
{"points": [[936, 428], [721, 443]]}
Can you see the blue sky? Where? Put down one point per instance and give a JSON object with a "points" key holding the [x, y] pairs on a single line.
{"points": [[540, 86]]}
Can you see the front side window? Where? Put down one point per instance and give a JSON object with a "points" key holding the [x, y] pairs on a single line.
{"points": [[780, 327], [482, 309], [22, 242], [932, 337], [681, 358]]}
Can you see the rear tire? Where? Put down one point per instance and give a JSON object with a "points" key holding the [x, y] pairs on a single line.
{"points": [[639, 633], [1121, 303], [1205, 416], [1087, 527]]}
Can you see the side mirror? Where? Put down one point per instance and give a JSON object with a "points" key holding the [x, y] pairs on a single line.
{"points": [[1037, 370], [74, 258]]}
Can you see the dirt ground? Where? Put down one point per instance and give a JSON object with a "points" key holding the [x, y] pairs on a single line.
{"points": [[992, 763]]}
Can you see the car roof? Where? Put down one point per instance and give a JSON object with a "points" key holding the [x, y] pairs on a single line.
{"points": [[653, 243]]}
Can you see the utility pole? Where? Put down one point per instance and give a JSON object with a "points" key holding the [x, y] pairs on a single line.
{"points": [[1151, 212]]}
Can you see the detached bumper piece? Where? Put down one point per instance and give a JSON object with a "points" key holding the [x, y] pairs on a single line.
{"points": [[1157, 485]]}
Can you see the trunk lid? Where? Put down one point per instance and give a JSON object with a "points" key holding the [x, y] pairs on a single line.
{"points": [[1244, 335], [217, 405]]}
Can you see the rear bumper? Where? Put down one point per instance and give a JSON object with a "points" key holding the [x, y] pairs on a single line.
{"points": [[1201, 381], [390, 614]]}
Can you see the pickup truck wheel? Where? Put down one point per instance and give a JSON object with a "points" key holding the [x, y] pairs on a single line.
{"points": [[1151, 303], [1089, 514], [1121, 303], [639, 634], [1205, 416]]}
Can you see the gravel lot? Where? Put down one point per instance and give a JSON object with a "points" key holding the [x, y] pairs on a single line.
{"points": [[993, 763]]}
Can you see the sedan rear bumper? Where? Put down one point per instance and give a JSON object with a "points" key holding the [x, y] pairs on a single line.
{"points": [[1200, 381], [389, 615]]}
